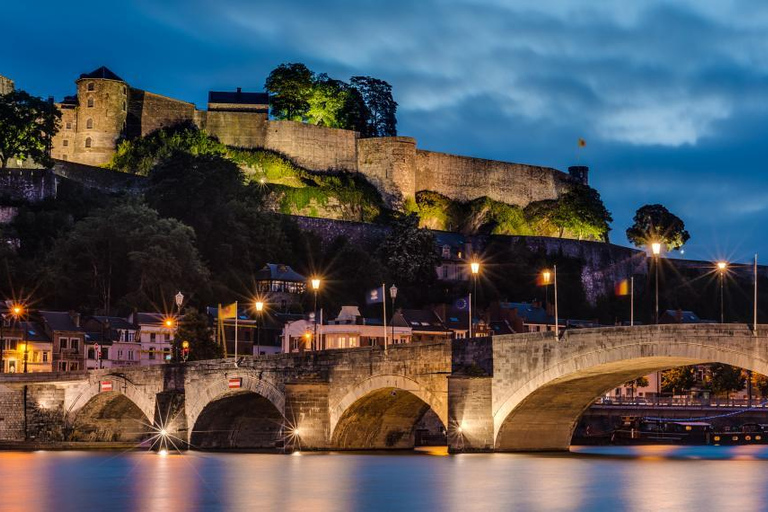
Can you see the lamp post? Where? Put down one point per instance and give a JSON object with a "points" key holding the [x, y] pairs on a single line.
{"points": [[546, 279], [169, 323], [722, 267], [393, 294], [475, 268], [315, 288], [179, 298], [17, 310], [259, 309], [656, 250]]}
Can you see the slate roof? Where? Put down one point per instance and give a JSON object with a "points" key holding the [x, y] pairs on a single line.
{"points": [[238, 97], [501, 327], [529, 313], [34, 332], [116, 322], [59, 321], [279, 272], [423, 320], [102, 72], [150, 318], [686, 317]]}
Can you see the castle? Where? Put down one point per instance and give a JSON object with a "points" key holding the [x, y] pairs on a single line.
{"points": [[106, 110]]}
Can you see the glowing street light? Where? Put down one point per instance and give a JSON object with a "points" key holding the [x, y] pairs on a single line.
{"points": [[474, 267], [656, 250], [722, 268], [259, 308], [315, 282]]}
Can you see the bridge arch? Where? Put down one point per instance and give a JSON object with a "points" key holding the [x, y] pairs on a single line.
{"points": [[542, 408], [383, 411], [249, 417], [124, 413]]}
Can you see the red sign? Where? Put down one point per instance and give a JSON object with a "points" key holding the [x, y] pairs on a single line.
{"points": [[235, 382], [106, 385]]}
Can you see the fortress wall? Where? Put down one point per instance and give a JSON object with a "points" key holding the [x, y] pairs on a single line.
{"points": [[315, 147], [27, 185], [464, 178], [153, 112], [389, 163], [6, 85], [67, 132], [239, 129]]}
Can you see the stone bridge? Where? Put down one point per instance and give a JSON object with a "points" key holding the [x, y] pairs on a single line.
{"points": [[521, 392]]}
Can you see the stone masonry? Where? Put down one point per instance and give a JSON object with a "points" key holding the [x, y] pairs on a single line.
{"points": [[507, 393]]}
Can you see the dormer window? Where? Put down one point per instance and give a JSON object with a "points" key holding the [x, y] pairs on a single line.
{"points": [[446, 251], [90, 102], [91, 86], [87, 142], [89, 124]]}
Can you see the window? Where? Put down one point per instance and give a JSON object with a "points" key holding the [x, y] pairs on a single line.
{"points": [[73, 367], [88, 142], [65, 142], [91, 353], [90, 87], [104, 353], [69, 125], [89, 124], [45, 357], [63, 343], [74, 343], [151, 355], [90, 102], [131, 336], [166, 338], [152, 337], [130, 355], [123, 106]]}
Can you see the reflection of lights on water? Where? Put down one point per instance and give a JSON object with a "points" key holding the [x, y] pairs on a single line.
{"points": [[296, 452], [163, 452]]}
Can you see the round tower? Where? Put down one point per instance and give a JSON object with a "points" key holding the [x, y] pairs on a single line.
{"points": [[102, 99]]}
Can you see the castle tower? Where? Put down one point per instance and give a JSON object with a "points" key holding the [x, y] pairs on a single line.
{"points": [[579, 174], [102, 107], [6, 85]]}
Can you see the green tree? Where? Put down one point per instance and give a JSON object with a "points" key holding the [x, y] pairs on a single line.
{"points": [[639, 382], [381, 106], [725, 378], [327, 102], [678, 380], [125, 253], [194, 328], [139, 156], [654, 223], [27, 126], [581, 212], [410, 257], [760, 382], [196, 189], [290, 87]]}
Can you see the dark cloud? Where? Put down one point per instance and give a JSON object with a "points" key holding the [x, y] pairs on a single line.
{"points": [[672, 98]]}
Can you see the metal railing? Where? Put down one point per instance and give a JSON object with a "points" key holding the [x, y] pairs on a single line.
{"points": [[682, 401]]}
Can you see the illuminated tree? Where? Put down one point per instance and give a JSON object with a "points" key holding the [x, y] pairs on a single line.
{"points": [[654, 223], [290, 87], [678, 380], [725, 378], [27, 126], [382, 108]]}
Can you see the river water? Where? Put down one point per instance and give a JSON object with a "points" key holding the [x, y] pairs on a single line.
{"points": [[607, 478]]}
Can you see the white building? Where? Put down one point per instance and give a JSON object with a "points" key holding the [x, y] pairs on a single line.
{"points": [[155, 337], [348, 330]]}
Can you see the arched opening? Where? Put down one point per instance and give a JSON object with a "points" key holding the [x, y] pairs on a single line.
{"points": [[239, 420], [110, 417], [390, 419]]}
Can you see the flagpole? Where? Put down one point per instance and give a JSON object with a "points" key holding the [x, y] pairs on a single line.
{"points": [[384, 306], [632, 301], [236, 332]]}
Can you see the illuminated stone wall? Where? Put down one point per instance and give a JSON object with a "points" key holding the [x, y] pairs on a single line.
{"points": [[314, 147]]}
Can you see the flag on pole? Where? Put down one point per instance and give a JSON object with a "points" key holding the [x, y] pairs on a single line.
{"points": [[228, 311], [622, 288], [461, 304], [375, 296], [582, 143]]}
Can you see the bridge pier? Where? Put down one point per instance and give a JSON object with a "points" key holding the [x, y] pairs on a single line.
{"points": [[307, 416], [470, 416], [171, 416]]}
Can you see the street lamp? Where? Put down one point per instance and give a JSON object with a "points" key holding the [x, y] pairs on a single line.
{"points": [[169, 322], [393, 294], [17, 310], [475, 268], [259, 309], [315, 287], [656, 250], [722, 267]]}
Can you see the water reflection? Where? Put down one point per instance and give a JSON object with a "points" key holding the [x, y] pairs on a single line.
{"points": [[635, 478]]}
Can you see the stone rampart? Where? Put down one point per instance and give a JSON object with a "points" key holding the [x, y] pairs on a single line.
{"points": [[314, 147], [463, 178], [389, 163], [238, 129], [149, 112], [27, 185]]}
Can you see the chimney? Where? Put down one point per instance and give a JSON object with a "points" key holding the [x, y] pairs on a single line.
{"points": [[75, 318]]}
